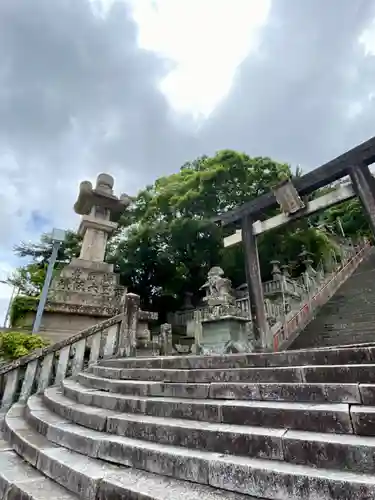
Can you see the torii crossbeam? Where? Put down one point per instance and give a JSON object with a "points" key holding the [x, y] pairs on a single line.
{"points": [[354, 163]]}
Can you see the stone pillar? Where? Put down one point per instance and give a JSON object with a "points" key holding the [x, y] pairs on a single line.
{"points": [[254, 284], [128, 327], [363, 184], [166, 347]]}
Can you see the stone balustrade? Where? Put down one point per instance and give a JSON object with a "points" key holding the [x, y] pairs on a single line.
{"points": [[288, 298], [113, 337]]}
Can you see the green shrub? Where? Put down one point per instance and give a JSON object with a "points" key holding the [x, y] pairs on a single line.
{"points": [[14, 345], [21, 304]]}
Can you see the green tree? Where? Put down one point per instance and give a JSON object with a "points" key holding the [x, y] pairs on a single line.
{"points": [[29, 279]]}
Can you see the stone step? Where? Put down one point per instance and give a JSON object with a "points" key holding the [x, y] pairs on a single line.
{"points": [[353, 373], [260, 478], [318, 393], [352, 329], [285, 415], [20, 481], [285, 358], [330, 451], [93, 478], [141, 432]]}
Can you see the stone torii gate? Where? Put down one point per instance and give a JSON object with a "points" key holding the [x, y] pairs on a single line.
{"points": [[354, 163]]}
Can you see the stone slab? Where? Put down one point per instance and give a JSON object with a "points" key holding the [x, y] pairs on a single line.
{"points": [[271, 479], [331, 451], [95, 418], [144, 388], [363, 373], [138, 485], [278, 374], [79, 474], [331, 418], [301, 416], [19, 481], [341, 355], [218, 438], [367, 392], [363, 418], [320, 393], [342, 374], [281, 481]]}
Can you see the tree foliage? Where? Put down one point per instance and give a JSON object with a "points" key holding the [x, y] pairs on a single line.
{"points": [[29, 279], [170, 240], [14, 345]]}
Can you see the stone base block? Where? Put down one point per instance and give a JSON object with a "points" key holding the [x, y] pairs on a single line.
{"points": [[58, 326], [224, 335]]}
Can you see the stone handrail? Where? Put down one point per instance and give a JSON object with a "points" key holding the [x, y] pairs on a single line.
{"points": [[287, 332], [42, 368]]}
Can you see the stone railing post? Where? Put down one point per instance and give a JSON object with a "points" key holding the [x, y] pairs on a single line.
{"points": [[166, 348], [128, 328]]}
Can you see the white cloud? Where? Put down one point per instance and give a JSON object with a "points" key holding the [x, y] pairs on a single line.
{"points": [[206, 39]]}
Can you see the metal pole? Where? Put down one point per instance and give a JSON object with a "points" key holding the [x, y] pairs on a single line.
{"points": [[340, 226], [46, 285], [14, 294]]}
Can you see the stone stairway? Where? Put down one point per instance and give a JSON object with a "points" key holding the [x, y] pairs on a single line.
{"points": [[349, 316], [292, 425]]}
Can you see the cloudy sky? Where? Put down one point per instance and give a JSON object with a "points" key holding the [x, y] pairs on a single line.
{"points": [[137, 87]]}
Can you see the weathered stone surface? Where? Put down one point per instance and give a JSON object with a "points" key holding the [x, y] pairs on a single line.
{"points": [[338, 356], [139, 485], [343, 374], [280, 374], [367, 393], [219, 438], [281, 481], [190, 465], [248, 429], [41, 489], [175, 390], [302, 416], [79, 474], [154, 362], [234, 390], [95, 418], [19, 481], [12, 468], [330, 451], [319, 393], [23, 439], [363, 418]]}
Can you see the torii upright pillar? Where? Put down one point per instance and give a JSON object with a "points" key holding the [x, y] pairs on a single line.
{"points": [[364, 187], [254, 285]]}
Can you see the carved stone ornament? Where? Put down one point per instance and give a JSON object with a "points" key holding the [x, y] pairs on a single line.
{"points": [[218, 288]]}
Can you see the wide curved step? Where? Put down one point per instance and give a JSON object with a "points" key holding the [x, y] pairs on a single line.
{"points": [[159, 435], [96, 479], [284, 415], [301, 392], [255, 477], [363, 373], [18, 480], [338, 356]]}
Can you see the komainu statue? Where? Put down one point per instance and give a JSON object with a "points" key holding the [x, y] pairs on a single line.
{"points": [[218, 288]]}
